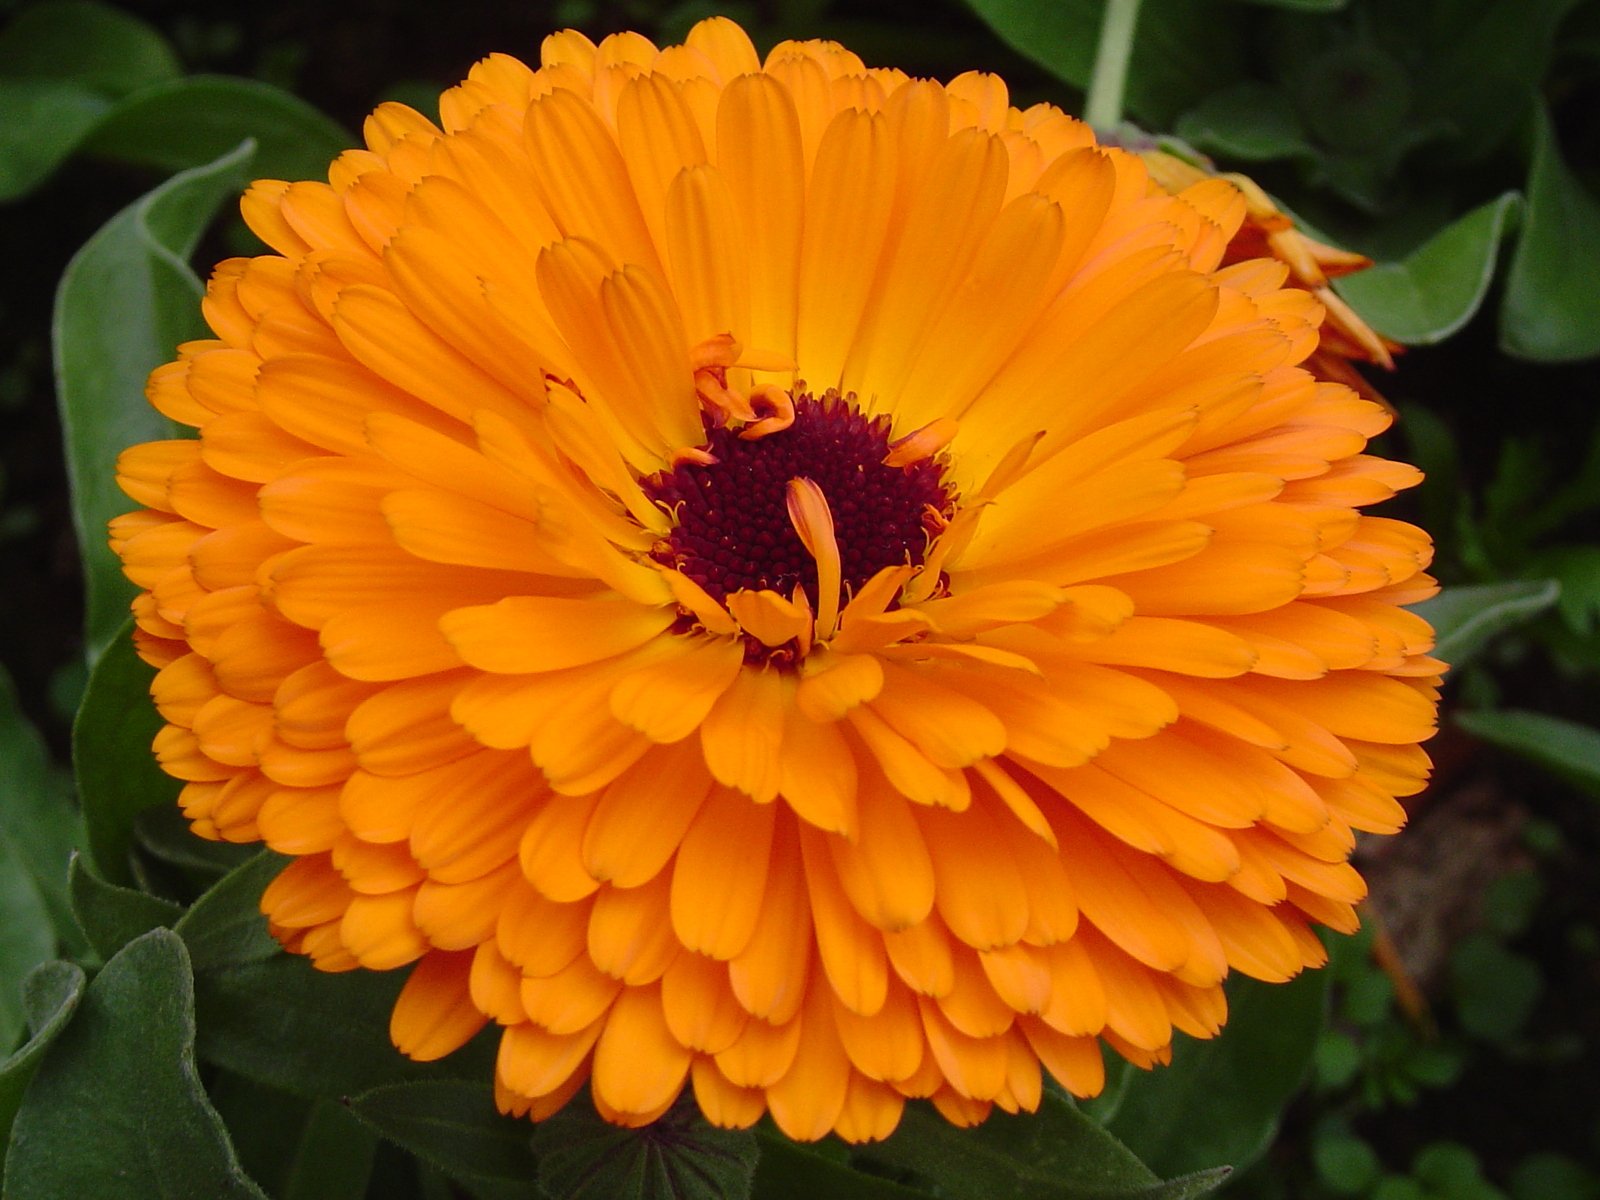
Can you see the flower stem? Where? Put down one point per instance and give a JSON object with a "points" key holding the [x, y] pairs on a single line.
{"points": [[1103, 107]]}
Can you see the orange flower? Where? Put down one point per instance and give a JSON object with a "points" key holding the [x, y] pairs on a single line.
{"points": [[779, 577]]}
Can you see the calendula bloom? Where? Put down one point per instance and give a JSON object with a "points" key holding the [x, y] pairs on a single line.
{"points": [[1269, 232], [780, 578]]}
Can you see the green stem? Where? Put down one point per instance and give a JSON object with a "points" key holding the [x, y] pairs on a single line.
{"points": [[1103, 108]]}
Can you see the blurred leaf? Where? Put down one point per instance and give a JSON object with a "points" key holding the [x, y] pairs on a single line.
{"points": [[1467, 617], [1221, 1100], [1183, 49], [1564, 747], [152, 1132], [295, 1148], [1345, 1163], [126, 300], [36, 815], [26, 938], [787, 1171], [1552, 308], [1494, 989], [282, 1022], [1057, 1153], [113, 916], [183, 123], [1577, 569], [45, 121], [1434, 291], [453, 1124], [88, 43], [1300, 5], [117, 773], [224, 927], [50, 996], [1554, 1177], [1251, 121], [679, 1157]]}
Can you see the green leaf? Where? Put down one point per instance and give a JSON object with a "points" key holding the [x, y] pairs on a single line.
{"points": [[1577, 570], [787, 1171], [1057, 1153], [1495, 990], [152, 1132], [1563, 747], [36, 816], [224, 927], [679, 1157], [332, 1158], [1551, 311], [50, 996], [182, 123], [26, 939], [1437, 289], [453, 1123], [283, 1023], [1183, 49], [45, 121], [1221, 1099], [1466, 618], [295, 1148], [92, 44], [113, 916], [1250, 121], [126, 300], [117, 773]]}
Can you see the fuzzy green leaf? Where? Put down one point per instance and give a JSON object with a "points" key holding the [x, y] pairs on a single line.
{"points": [[1434, 291], [1466, 618], [453, 1123], [36, 816], [126, 300], [679, 1157], [1057, 1153], [117, 774], [1221, 1100], [112, 916], [1563, 747], [26, 938], [224, 927], [50, 996], [1552, 308], [152, 1131]]}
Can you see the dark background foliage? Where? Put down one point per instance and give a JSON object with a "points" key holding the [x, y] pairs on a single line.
{"points": [[1452, 1053]]}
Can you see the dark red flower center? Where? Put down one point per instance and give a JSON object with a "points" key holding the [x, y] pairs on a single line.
{"points": [[732, 528]]}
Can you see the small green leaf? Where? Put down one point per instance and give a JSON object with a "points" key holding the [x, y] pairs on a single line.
{"points": [[787, 1171], [117, 773], [50, 996], [1250, 121], [93, 44], [1468, 617], [1552, 308], [1221, 1099], [1434, 291], [1577, 570], [26, 939], [453, 1123], [36, 816], [1182, 51], [126, 300], [679, 1157], [152, 1131], [224, 927], [1563, 747], [183, 123], [1057, 1153], [113, 916], [1495, 990]]}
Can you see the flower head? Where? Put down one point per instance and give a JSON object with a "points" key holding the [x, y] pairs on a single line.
{"points": [[780, 578]]}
